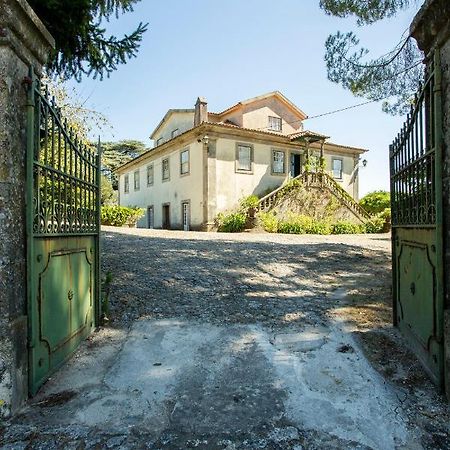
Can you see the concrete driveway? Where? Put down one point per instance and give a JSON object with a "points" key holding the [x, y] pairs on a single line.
{"points": [[238, 342]]}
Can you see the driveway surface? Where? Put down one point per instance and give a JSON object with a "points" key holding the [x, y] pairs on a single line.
{"points": [[247, 341]]}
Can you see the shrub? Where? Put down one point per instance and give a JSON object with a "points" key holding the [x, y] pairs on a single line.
{"points": [[250, 202], [374, 225], [320, 227], [295, 224], [346, 227], [376, 202], [386, 216], [118, 216], [269, 222], [231, 223]]}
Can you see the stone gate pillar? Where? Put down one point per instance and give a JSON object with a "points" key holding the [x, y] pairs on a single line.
{"points": [[431, 29], [24, 42]]}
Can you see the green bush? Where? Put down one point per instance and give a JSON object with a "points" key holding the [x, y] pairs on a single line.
{"points": [[231, 223], [376, 202], [250, 202], [320, 227], [118, 216], [346, 227], [269, 222], [374, 225], [295, 224], [386, 216]]}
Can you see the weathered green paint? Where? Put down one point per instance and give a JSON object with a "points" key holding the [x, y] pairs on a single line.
{"points": [[417, 234], [419, 307], [62, 310], [63, 224]]}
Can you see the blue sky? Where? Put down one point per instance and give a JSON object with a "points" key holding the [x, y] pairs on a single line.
{"points": [[232, 50]]}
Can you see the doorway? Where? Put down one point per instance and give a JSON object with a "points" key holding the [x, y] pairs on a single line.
{"points": [[150, 217], [166, 217], [296, 165], [185, 212]]}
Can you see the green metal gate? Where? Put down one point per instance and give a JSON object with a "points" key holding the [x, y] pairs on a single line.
{"points": [[417, 235], [63, 224]]}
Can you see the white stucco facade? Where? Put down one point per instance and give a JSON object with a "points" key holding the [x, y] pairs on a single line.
{"points": [[171, 192], [187, 192]]}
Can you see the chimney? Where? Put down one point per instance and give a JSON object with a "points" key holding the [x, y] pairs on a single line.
{"points": [[201, 111]]}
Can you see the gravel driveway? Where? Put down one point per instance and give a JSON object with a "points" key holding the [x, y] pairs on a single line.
{"points": [[245, 341]]}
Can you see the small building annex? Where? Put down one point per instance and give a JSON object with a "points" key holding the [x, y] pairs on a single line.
{"points": [[203, 163]]}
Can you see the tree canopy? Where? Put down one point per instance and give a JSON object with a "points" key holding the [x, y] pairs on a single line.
{"points": [[115, 154], [376, 202], [82, 45], [393, 77]]}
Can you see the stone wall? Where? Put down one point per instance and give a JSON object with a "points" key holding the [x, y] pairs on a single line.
{"points": [[24, 42], [431, 29]]}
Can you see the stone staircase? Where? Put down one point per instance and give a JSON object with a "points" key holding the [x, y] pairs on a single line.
{"points": [[315, 180]]}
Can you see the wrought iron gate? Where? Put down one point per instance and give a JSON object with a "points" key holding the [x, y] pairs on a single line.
{"points": [[417, 235], [63, 225]]}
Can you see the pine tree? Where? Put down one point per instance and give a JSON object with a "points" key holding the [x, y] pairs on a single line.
{"points": [[115, 154], [82, 46], [393, 77]]}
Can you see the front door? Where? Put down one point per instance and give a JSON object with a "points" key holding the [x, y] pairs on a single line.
{"points": [[186, 215], [150, 217], [166, 217], [296, 165]]}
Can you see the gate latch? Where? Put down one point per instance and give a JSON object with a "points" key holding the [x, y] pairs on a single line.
{"points": [[413, 288]]}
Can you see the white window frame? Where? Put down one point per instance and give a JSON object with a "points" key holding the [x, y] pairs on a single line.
{"points": [[151, 223], [168, 169], [188, 162], [187, 204], [175, 133], [275, 123], [239, 169], [341, 172], [126, 184], [137, 180], [159, 141], [273, 171], [150, 170]]}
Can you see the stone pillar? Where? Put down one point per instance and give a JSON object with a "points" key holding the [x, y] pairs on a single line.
{"points": [[431, 29], [24, 42], [212, 182]]}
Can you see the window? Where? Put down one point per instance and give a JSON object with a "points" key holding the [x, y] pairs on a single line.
{"points": [[278, 162], [337, 168], [150, 217], [244, 158], [165, 169], [137, 183], [184, 162], [150, 175], [175, 133], [126, 184], [274, 123], [159, 141]]}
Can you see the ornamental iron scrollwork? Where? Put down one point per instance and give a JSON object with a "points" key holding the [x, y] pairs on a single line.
{"points": [[412, 163], [66, 175]]}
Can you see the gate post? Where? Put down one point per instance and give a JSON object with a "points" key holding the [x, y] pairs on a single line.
{"points": [[24, 43], [431, 30]]}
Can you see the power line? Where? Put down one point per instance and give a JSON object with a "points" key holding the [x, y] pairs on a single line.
{"points": [[347, 108], [352, 106]]}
